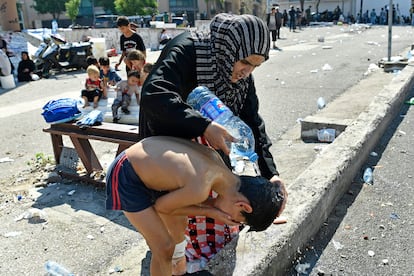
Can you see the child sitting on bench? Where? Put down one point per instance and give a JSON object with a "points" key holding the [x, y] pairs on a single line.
{"points": [[124, 91], [161, 180]]}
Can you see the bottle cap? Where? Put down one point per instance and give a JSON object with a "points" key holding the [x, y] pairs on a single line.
{"points": [[253, 157]]}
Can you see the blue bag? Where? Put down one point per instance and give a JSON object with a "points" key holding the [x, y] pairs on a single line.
{"points": [[61, 111]]}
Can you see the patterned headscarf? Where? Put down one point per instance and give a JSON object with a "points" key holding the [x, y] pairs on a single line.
{"points": [[231, 38]]}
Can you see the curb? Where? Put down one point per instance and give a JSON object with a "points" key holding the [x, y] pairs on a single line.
{"points": [[316, 191]]}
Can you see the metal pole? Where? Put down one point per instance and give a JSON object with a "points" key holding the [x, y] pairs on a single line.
{"points": [[390, 16]]}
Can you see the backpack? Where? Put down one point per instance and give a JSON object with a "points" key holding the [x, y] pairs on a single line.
{"points": [[61, 111]]}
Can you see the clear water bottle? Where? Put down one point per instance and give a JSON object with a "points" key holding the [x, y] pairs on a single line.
{"points": [[56, 269], [203, 100]]}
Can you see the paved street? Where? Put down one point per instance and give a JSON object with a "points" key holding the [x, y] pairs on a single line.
{"points": [[370, 230], [288, 86]]}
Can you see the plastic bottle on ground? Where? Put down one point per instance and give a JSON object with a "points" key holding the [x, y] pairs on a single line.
{"points": [[321, 102], [56, 269], [203, 100], [368, 176], [326, 135]]}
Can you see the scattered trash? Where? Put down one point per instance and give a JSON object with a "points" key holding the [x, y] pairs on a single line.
{"points": [[327, 47], [321, 102], [373, 154], [337, 245], [410, 101], [382, 227], [321, 39], [371, 253], [90, 237], [367, 177], [301, 268], [56, 269], [394, 216], [373, 43], [298, 120], [317, 148], [12, 234], [33, 213], [402, 132], [116, 269], [282, 83], [326, 135], [327, 67], [365, 237], [314, 71], [102, 229], [6, 159], [385, 261], [19, 197], [70, 193]]}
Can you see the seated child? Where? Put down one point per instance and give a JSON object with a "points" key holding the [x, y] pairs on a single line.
{"points": [[93, 87], [107, 74], [161, 180], [124, 91], [136, 59]]}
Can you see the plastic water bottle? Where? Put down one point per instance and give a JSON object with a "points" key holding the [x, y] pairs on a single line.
{"points": [[368, 176], [56, 269], [54, 26], [203, 100], [321, 102]]}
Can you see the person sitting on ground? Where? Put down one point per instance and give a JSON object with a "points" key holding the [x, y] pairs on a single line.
{"points": [[136, 59], [26, 68], [93, 87], [107, 74], [124, 91], [161, 180], [164, 38], [91, 60]]}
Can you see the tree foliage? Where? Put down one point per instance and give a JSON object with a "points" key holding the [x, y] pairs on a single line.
{"points": [[72, 9], [135, 7], [54, 7], [108, 5]]}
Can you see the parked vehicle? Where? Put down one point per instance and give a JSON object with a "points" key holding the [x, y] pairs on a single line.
{"points": [[106, 21], [60, 55]]}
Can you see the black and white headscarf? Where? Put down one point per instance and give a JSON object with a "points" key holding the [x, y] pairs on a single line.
{"points": [[231, 38]]}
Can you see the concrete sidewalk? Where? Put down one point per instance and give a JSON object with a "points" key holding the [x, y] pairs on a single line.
{"points": [[318, 174]]}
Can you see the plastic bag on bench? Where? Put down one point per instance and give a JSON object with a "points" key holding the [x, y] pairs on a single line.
{"points": [[95, 117], [61, 110]]}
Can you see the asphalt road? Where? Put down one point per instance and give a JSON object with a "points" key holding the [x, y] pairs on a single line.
{"points": [[79, 232], [370, 230]]}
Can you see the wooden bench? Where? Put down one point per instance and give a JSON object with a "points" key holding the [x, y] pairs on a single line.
{"points": [[123, 135]]}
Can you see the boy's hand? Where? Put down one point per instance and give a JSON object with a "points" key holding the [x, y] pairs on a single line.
{"points": [[222, 216]]}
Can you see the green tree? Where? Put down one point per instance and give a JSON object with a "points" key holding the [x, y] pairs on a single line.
{"points": [[54, 7], [108, 5], [72, 9], [134, 7]]}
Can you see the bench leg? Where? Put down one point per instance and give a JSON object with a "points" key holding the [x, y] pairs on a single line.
{"points": [[86, 154], [57, 143]]}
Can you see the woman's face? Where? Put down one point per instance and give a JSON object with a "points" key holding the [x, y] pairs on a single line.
{"points": [[243, 68], [24, 56]]}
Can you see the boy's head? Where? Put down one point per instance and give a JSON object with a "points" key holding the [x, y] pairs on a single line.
{"points": [[104, 64], [91, 60], [93, 72], [137, 59], [145, 71], [133, 78], [122, 22], [265, 199]]}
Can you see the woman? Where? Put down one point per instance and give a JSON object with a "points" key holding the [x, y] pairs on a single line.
{"points": [[222, 61], [26, 68]]}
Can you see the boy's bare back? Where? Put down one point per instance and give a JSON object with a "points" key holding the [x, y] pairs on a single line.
{"points": [[175, 163]]}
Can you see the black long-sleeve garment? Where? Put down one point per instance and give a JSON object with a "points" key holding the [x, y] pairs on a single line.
{"points": [[163, 110]]}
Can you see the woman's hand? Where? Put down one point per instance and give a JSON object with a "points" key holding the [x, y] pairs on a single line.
{"points": [[217, 136], [276, 179]]}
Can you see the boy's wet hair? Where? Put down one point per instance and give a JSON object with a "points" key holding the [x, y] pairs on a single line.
{"points": [[265, 199], [122, 21], [133, 73], [104, 61], [136, 55]]}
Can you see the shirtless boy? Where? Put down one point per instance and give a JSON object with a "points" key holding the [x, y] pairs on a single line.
{"points": [[160, 181]]}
